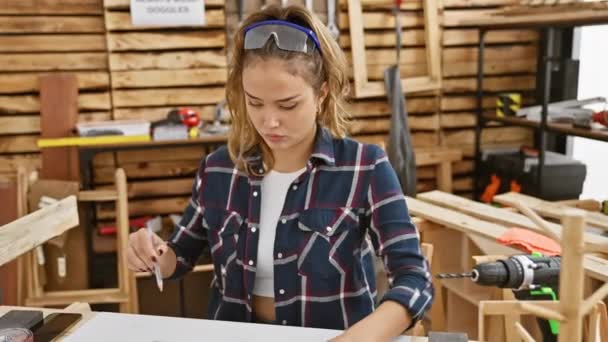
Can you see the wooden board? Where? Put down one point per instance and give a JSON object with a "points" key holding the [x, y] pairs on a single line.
{"points": [[498, 67], [21, 82], [471, 36], [167, 60], [169, 78], [167, 96], [499, 215], [22, 104], [166, 41], [53, 61], [381, 108], [489, 136], [52, 43], [550, 209], [457, 120], [23, 234], [51, 24], [21, 7], [518, 83]]}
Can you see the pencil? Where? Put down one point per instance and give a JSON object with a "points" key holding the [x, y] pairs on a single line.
{"points": [[159, 278]]}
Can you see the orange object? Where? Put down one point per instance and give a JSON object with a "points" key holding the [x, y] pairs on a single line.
{"points": [[530, 241], [491, 190], [515, 186]]}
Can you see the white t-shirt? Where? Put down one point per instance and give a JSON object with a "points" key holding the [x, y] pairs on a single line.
{"points": [[274, 190]]}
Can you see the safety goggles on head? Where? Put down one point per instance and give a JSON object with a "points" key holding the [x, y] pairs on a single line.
{"points": [[287, 36]]}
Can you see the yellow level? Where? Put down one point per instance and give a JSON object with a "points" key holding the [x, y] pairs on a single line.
{"points": [[100, 140]]}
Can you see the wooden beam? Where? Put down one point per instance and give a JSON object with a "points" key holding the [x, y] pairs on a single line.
{"points": [[571, 278], [24, 234], [549, 209], [501, 216]]}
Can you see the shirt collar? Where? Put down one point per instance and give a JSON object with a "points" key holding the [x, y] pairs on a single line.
{"points": [[324, 147]]}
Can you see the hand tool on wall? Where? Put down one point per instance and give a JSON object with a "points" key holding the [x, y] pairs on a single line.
{"points": [[331, 19], [400, 149]]}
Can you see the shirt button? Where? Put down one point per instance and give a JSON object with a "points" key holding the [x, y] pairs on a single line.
{"points": [[253, 229], [280, 255], [283, 221], [294, 188], [284, 322], [281, 291], [250, 262], [255, 194], [328, 228]]}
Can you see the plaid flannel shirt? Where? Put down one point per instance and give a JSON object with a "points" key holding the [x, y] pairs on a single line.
{"points": [[347, 201]]}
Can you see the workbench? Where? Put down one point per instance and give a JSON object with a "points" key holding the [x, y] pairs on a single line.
{"points": [[107, 326]]}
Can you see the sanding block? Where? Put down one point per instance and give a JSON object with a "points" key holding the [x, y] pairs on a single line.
{"points": [[26, 319]]}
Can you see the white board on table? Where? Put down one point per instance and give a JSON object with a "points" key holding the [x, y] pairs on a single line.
{"points": [[106, 326]]}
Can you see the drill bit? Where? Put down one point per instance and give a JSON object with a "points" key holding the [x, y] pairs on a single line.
{"points": [[455, 275]]}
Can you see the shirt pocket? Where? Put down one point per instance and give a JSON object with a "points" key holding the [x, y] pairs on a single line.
{"points": [[328, 240], [223, 229]]}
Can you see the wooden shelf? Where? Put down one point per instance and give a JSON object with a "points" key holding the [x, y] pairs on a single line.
{"points": [[562, 128]]}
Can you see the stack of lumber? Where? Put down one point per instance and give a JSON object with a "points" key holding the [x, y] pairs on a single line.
{"points": [[509, 66], [38, 37]]}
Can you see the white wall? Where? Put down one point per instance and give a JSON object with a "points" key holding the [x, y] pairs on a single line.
{"points": [[593, 81]]}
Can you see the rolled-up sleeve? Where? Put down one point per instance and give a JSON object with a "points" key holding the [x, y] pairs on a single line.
{"points": [[397, 242], [189, 237]]}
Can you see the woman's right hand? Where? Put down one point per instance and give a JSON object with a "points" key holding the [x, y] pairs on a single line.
{"points": [[144, 251]]}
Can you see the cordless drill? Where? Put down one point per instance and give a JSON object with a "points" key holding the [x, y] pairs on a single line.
{"points": [[532, 277]]}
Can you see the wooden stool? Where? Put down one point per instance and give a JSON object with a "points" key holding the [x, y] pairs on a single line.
{"points": [[126, 292]]}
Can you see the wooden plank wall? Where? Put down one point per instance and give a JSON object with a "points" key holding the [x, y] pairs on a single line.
{"points": [[38, 37], [153, 70], [128, 72], [510, 66]]}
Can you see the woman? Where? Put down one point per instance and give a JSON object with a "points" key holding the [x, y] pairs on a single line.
{"points": [[290, 208]]}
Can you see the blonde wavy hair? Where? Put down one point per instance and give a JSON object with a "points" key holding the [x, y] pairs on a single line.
{"points": [[328, 66]]}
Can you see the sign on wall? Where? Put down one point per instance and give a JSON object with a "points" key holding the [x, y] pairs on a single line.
{"points": [[164, 13]]}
